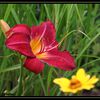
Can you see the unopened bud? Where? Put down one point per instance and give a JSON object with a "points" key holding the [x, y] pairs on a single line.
{"points": [[4, 26]]}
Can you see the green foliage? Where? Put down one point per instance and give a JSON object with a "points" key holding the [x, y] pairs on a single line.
{"points": [[78, 23]]}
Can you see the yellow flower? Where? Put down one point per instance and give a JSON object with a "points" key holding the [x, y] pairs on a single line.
{"points": [[78, 82]]}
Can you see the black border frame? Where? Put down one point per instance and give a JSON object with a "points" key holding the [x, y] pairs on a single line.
{"points": [[48, 2]]}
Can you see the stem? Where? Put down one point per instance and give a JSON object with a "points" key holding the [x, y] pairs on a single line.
{"points": [[19, 92], [41, 81]]}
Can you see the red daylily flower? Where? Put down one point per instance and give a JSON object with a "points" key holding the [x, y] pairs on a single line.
{"points": [[39, 45]]}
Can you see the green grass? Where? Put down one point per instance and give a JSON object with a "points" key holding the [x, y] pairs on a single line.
{"points": [[77, 26]]}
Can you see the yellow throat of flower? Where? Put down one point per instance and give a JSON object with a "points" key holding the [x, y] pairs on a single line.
{"points": [[36, 46]]}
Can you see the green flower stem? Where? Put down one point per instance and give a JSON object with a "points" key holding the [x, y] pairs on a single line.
{"points": [[19, 92], [41, 81]]}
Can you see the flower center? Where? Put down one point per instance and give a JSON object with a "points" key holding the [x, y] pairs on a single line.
{"points": [[37, 46], [74, 83]]}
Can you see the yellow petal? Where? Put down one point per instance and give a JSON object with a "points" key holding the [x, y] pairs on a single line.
{"points": [[93, 80], [88, 87], [82, 76], [69, 90], [62, 82]]}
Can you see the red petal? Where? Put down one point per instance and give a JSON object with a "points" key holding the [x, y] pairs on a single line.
{"points": [[62, 60], [34, 65], [19, 28], [19, 42], [46, 30]]}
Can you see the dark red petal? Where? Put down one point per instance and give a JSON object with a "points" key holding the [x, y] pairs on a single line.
{"points": [[46, 30], [52, 46], [19, 42], [34, 65], [19, 28], [62, 60]]}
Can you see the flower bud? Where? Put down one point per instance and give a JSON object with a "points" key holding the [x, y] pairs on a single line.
{"points": [[4, 26]]}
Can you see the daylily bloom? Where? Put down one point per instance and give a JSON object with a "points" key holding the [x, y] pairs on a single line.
{"points": [[78, 82], [39, 45]]}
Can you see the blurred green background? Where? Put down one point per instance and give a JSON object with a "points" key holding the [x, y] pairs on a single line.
{"points": [[78, 24]]}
